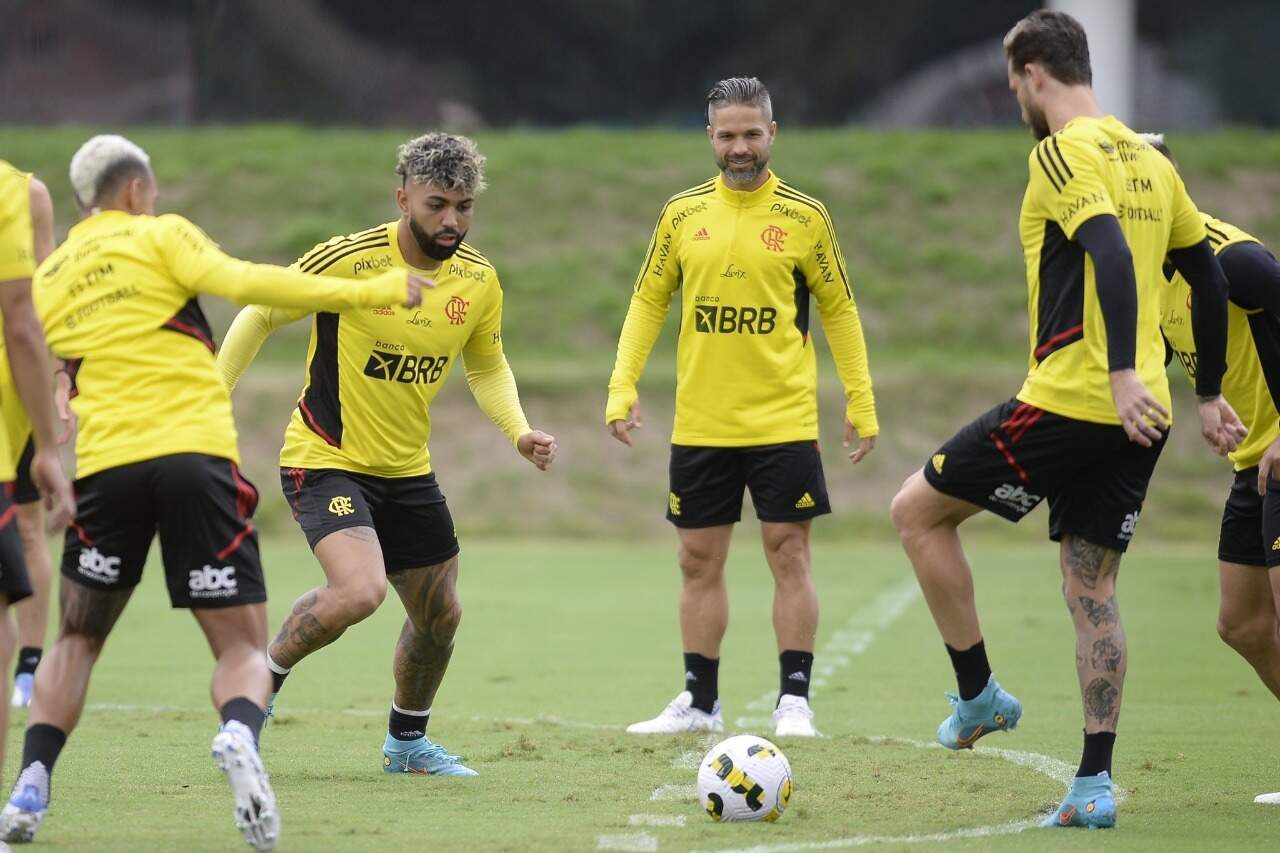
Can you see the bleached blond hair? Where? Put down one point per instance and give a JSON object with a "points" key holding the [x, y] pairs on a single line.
{"points": [[100, 162], [452, 163]]}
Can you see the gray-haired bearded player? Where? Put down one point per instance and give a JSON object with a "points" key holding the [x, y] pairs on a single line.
{"points": [[355, 465]]}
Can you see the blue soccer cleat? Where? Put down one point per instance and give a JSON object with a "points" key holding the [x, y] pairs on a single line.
{"points": [[23, 686], [27, 805], [423, 757], [1089, 803], [992, 710]]}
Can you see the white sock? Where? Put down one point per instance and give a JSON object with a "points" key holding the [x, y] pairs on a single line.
{"points": [[277, 668]]}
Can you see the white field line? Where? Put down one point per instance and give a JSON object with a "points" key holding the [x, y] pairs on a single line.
{"points": [[638, 841], [667, 793], [656, 820], [846, 643]]}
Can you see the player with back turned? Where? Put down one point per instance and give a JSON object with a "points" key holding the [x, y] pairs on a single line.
{"points": [[1101, 212], [156, 451], [746, 251]]}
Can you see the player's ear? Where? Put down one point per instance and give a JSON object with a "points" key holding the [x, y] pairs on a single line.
{"points": [[402, 200], [773, 130]]}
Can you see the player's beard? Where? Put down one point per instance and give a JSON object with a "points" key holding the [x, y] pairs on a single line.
{"points": [[1037, 122], [427, 242], [742, 175]]}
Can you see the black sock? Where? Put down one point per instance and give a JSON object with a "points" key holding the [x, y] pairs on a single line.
{"points": [[246, 711], [278, 674], [972, 669], [402, 726], [701, 678], [28, 660], [796, 669], [1097, 753], [43, 742]]}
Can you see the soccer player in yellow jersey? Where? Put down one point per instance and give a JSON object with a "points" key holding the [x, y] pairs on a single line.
{"points": [[32, 612], [156, 452], [355, 466], [26, 236], [1249, 542], [1101, 212], [746, 251]]}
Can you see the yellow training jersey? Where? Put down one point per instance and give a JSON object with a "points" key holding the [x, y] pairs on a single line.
{"points": [[118, 303], [1244, 385], [17, 262], [371, 375], [745, 264], [1096, 166]]}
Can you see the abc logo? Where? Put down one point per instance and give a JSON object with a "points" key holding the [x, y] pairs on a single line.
{"points": [[94, 564], [213, 581]]}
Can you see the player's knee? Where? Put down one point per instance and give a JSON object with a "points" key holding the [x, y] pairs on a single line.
{"points": [[905, 511], [360, 598], [700, 565], [1247, 635], [788, 556], [444, 623]]}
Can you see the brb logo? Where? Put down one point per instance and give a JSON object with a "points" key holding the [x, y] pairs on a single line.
{"points": [[94, 564], [405, 368], [728, 319], [456, 310], [1016, 498], [772, 238], [212, 583]]}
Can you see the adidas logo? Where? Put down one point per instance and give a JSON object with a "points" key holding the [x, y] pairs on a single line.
{"points": [[689, 676], [701, 234], [1275, 546], [938, 460], [806, 502], [796, 676]]}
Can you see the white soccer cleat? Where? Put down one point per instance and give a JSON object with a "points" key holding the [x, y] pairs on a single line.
{"points": [[793, 717], [256, 814], [27, 806], [680, 716], [1268, 799]]}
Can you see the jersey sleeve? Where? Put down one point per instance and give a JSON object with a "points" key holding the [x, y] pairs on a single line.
{"points": [[1186, 224], [199, 266], [489, 375], [17, 240], [825, 275], [650, 302], [1066, 182]]}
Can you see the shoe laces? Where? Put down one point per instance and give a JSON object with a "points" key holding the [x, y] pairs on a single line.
{"points": [[429, 749]]}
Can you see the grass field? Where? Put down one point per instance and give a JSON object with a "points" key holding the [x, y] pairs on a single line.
{"points": [[563, 644]]}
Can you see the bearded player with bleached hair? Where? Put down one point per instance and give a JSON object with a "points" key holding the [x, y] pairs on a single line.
{"points": [[355, 466], [156, 452]]}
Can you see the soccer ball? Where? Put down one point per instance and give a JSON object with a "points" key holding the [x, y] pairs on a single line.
{"points": [[744, 778]]}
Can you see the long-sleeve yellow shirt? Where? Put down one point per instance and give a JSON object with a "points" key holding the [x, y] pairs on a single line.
{"points": [[745, 264]]}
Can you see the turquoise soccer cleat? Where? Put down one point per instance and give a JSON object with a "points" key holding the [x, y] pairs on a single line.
{"points": [[992, 710], [1089, 803], [423, 757]]}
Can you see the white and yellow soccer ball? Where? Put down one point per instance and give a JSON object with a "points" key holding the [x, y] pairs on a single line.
{"points": [[744, 778]]}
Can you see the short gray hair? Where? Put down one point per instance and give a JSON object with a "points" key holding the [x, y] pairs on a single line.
{"points": [[101, 162], [452, 163], [741, 91]]}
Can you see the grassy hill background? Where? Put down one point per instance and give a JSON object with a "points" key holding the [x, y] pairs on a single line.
{"points": [[927, 222]]}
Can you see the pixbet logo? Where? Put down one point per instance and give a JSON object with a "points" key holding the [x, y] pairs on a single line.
{"points": [[368, 264], [94, 564], [210, 582], [1016, 497]]}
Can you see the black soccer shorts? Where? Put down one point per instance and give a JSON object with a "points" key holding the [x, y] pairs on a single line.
{"points": [[409, 514], [202, 508], [1250, 533], [785, 480], [1016, 455], [24, 488], [15, 585]]}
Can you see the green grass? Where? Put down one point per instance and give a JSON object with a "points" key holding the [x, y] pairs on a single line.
{"points": [[563, 644]]}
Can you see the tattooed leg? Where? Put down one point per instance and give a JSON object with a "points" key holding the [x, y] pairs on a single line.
{"points": [[356, 585], [1089, 578], [62, 681], [422, 655]]}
